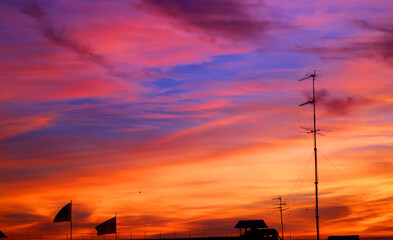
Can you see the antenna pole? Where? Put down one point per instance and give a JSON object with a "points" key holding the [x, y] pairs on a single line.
{"points": [[314, 131], [315, 155]]}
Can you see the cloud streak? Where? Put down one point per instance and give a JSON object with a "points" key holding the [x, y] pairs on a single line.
{"points": [[59, 35], [22, 125], [224, 18], [380, 47]]}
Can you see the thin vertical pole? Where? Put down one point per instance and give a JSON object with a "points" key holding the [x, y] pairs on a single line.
{"points": [[71, 222], [281, 210], [315, 155], [282, 225]]}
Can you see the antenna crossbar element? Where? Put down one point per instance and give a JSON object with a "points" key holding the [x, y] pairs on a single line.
{"points": [[312, 75], [309, 130], [304, 78], [309, 102]]}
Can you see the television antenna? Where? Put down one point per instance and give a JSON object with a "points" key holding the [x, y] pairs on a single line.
{"points": [[314, 131]]}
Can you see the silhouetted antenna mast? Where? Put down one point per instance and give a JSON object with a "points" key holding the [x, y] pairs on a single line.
{"points": [[281, 210], [314, 131]]}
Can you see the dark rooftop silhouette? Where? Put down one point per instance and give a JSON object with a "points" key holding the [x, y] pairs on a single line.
{"points": [[349, 237], [251, 224]]}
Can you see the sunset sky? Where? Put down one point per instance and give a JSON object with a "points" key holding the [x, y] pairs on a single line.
{"points": [[195, 104]]}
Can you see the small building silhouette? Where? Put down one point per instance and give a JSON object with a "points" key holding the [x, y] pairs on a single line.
{"points": [[256, 230]]}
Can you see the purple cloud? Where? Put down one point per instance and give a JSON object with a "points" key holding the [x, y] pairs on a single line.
{"points": [[224, 18], [59, 36], [384, 46], [371, 26], [338, 105], [381, 47]]}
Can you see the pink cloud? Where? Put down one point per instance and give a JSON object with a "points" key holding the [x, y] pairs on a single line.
{"points": [[18, 126]]}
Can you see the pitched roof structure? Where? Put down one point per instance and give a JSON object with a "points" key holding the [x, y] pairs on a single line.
{"points": [[251, 224]]}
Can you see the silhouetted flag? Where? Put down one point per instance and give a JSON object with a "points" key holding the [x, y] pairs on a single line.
{"points": [[106, 227], [64, 214], [2, 235]]}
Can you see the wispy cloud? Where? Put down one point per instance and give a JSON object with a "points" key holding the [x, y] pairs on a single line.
{"points": [[18, 126], [387, 28], [229, 19], [59, 35], [380, 47]]}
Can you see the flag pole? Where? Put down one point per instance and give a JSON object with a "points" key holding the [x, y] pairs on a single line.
{"points": [[71, 222]]}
